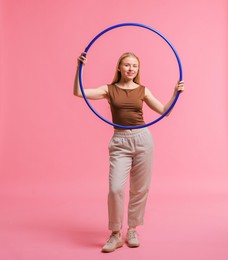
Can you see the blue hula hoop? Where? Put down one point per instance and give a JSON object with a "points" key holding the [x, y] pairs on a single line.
{"points": [[89, 46]]}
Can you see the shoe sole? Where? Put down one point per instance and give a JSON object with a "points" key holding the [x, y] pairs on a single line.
{"points": [[109, 251], [132, 245]]}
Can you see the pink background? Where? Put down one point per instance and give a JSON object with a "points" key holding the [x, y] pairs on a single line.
{"points": [[53, 149]]}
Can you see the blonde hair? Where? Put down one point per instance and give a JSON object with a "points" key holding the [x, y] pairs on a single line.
{"points": [[117, 75]]}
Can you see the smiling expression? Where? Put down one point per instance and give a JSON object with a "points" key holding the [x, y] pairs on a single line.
{"points": [[129, 68]]}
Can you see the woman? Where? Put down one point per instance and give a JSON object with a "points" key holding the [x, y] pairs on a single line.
{"points": [[130, 151]]}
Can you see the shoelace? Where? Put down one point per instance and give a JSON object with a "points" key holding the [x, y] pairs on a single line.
{"points": [[132, 234], [111, 238]]}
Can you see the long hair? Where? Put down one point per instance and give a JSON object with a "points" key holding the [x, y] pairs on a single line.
{"points": [[117, 75]]}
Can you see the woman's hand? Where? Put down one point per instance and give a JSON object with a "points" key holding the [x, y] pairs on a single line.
{"points": [[82, 58], [179, 86]]}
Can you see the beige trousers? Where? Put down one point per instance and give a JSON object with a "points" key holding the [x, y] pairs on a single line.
{"points": [[131, 153]]}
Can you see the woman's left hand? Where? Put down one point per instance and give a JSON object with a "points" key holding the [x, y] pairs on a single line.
{"points": [[179, 86]]}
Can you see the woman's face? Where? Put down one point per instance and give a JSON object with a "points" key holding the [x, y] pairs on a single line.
{"points": [[129, 68]]}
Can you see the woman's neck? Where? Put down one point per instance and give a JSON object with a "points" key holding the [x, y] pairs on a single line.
{"points": [[127, 84]]}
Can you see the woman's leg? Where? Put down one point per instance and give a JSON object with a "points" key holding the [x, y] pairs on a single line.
{"points": [[140, 178], [120, 165]]}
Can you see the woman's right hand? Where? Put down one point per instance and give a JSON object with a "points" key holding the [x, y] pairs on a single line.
{"points": [[82, 58]]}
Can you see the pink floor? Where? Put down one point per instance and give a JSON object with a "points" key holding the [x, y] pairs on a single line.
{"points": [[51, 221]]}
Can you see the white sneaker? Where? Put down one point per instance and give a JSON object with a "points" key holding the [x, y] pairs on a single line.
{"points": [[115, 241], [132, 238]]}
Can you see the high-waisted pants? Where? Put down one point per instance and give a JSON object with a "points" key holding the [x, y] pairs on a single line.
{"points": [[131, 153]]}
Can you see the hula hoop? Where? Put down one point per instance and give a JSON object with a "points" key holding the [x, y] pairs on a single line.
{"points": [[89, 46]]}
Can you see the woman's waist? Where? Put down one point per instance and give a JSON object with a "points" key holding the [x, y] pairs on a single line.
{"points": [[117, 130], [130, 132]]}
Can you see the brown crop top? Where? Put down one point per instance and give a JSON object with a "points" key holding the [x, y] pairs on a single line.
{"points": [[126, 105]]}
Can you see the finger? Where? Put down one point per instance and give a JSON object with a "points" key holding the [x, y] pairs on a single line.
{"points": [[82, 58], [81, 61], [84, 54], [180, 88]]}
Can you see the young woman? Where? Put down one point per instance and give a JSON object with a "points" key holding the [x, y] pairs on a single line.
{"points": [[130, 151]]}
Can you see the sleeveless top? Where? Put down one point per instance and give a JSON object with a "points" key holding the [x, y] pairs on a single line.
{"points": [[126, 105]]}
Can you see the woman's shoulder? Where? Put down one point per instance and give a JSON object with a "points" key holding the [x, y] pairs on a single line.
{"points": [[111, 87], [140, 86]]}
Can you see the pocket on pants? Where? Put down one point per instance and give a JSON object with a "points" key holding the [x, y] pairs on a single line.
{"points": [[115, 143]]}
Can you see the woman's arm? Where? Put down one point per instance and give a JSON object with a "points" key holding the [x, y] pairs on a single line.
{"points": [[156, 105], [96, 93]]}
